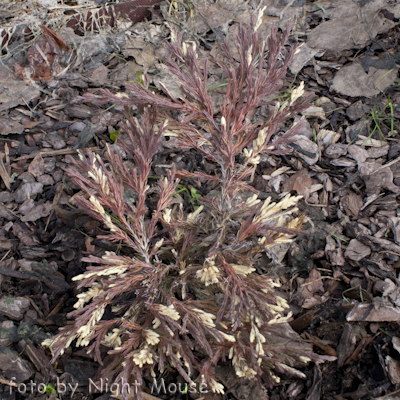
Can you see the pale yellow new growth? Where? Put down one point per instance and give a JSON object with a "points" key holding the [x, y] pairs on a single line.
{"points": [[106, 218], [152, 337], [115, 270], [261, 138], [255, 334], [184, 48], [276, 378], [242, 269], [143, 356], [167, 215], [168, 311], [156, 323], [270, 211], [85, 297], [170, 133], [223, 122], [99, 177], [209, 274], [259, 18], [216, 387], [292, 371], [297, 93], [192, 216], [249, 55], [251, 159], [205, 317], [85, 331], [241, 368], [159, 244], [229, 338], [282, 302], [252, 201], [121, 95], [280, 237], [165, 183], [279, 319], [112, 339]]}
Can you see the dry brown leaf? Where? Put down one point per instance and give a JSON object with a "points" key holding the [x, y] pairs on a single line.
{"points": [[14, 92], [351, 203], [305, 149], [347, 344], [89, 246], [374, 312], [393, 369], [358, 153], [8, 125], [328, 137], [350, 26], [356, 250], [302, 56], [309, 289], [370, 142], [352, 80], [381, 179], [37, 166], [44, 58], [39, 211], [336, 257], [314, 111], [299, 182]]}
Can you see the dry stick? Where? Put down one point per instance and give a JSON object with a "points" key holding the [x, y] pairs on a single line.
{"points": [[52, 153], [34, 305], [56, 199], [286, 7], [363, 342], [4, 381], [388, 396], [3, 258], [58, 306], [4, 174], [386, 165]]}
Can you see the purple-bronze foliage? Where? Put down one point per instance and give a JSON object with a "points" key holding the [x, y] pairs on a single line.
{"points": [[188, 294]]}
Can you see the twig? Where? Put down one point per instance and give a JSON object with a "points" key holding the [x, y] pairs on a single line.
{"points": [[4, 381], [386, 165], [52, 153]]}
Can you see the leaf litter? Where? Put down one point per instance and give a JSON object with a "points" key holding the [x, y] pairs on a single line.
{"points": [[345, 164]]}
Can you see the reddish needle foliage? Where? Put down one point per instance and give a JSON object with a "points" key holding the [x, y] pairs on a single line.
{"points": [[188, 294]]}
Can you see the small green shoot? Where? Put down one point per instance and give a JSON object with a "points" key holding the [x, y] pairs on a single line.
{"points": [[194, 196], [108, 108], [314, 134], [285, 94], [78, 229], [114, 135], [323, 10], [13, 177], [216, 87], [50, 389], [184, 391], [381, 121], [339, 238], [353, 288], [385, 332]]}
